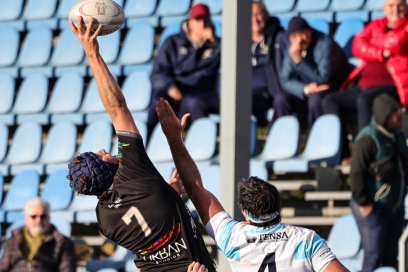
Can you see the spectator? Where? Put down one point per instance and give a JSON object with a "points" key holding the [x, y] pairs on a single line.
{"points": [[185, 71], [383, 48], [268, 49], [378, 200], [314, 65], [38, 246]]}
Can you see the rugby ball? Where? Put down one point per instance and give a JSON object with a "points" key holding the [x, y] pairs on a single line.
{"points": [[106, 12]]}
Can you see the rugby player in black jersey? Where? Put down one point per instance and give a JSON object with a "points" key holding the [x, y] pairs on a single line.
{"points": [[137, 209]]}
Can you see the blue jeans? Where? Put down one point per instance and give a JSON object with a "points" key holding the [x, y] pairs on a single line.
{"points": [[380, 231]]}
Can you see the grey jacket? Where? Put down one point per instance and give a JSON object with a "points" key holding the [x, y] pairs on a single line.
{"points": [[325, 62], [56, 254]]}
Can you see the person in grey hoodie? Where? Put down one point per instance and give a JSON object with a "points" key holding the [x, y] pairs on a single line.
{"points": [[378, 203]]}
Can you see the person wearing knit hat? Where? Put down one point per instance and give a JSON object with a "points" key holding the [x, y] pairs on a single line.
{"points": [[186, 69], [137, 208], [378, 195]]}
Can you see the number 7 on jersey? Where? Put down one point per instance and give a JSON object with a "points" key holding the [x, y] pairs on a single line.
{"points": [[133, 211]]}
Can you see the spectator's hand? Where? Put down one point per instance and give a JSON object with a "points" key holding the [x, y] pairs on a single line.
{"points": [[314, 88], [175, 93], [207, 34], [172, 127], [87, 38], [196, 267], [365, 210], [175, 182], [387, 54], [295, 49]]}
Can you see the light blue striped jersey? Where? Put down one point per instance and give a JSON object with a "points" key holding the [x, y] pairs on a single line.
{"points": [[282, 248]]}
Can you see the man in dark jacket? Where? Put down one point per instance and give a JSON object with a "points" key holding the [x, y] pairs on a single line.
{"points": [[378, 203], [38, 246], [185, 71], [268, 48], [313, 66]]}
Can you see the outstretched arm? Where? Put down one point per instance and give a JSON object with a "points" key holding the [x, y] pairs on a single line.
{"points": [[205, 202], [109, 90]]}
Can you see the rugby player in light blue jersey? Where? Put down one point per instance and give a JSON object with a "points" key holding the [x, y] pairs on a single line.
{"points": [[262, 243]]}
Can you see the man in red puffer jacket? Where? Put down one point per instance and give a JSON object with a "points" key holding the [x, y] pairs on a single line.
{"points": [[383, 48]]}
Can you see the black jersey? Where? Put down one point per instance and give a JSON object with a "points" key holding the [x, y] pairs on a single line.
{"points": [[146, 215]]}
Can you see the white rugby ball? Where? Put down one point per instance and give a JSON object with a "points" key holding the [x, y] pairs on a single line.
{"points": [[106, 12]]}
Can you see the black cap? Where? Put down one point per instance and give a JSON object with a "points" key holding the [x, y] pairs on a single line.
{"points": [[297, 24], [383, 106]]}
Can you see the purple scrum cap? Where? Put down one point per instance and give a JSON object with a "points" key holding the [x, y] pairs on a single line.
{"points": [[100, 173]]}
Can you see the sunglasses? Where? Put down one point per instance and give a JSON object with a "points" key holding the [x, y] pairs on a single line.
{"points": [[42, 216]]}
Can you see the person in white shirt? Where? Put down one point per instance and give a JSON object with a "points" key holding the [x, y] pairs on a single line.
{"points": [[262, 243]]}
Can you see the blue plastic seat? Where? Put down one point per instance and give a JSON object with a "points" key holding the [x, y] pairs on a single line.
{"points": [[31, 98], [113, 263], [37, 48], [9, 44], [215, 6], [97, 136], [346, 5], [201, 139], [130, 266], [323, 146], [158, 149], [327, 16], [385, 269], [11, 10], [373, 5], [62, 13], [108, 47], [140, 8], [168, 31], [25, 148], [80, 203], [23, 187], [137, 90], [3, 141], [311, 5], [278, 6], [173, 8], [65, 98], [320, 25], [107, 270], [1, 189], [63, 227], [7, 91], [39, 9], [282, 143], [57, 191], [138, 45], [68, 51], [58, 151], [345, 34], [211, 177]]}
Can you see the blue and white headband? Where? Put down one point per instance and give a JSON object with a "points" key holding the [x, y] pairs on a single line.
{"points": [[262, 219]]}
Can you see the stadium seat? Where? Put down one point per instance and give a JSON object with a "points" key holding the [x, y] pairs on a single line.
{"points": [[311, 5], [130, 266], [11, 10], [278, 6], [23, 187], [385, 269], [68, 51], [9, 45], [140, 8], [107, 270], [57, 152], [320, 25], [62, 226], [62, 13], [30, 99], [282, 143], [201, 139], [7, 91], [345, 33], [173, 8], [166, 21], [168, 31], [36, 50], [346, 5], [151, 20], [39, 9], [215, 6], [108, 47], [158, 148], [65, 98], [138, 45], [137, 90], [1, 189], [25, 148], [323, 146], [57, 191], [377, 15], [211, 177], [4, 133], [80, 203], [373, 5], [115, 262], [97, 136]]}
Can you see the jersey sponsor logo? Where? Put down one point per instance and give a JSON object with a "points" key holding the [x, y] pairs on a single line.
{"points": [[168, 253], [183, 51], [117, 203], [164, 241], [268, 237], [193, 225], [101, 8]]}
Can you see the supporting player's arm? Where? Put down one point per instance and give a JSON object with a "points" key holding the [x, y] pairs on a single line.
{"points": [[109, 90], [205, 202]]}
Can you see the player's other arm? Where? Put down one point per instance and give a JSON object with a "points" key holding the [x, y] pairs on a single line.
{"points": [[109, 90], [205, 202], [336, 266]]}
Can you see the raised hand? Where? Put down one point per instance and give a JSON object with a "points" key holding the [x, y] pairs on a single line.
{"points": [[196, 267], [87, 38], [175, 182], [171, 125]]}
